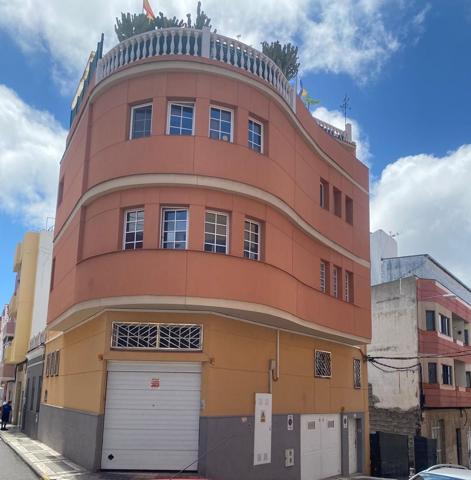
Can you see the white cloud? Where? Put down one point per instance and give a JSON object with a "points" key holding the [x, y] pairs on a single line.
{"points": [[347, 36], [427, 200], [31, 146], [336, 119]]}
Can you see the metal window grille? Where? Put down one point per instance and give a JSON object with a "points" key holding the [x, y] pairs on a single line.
{"points": [[141, 121], [174, 228], [335, 282], [220, 124], [356, 373], [330, 423], [181, 119], [323, 282], [348, 291], [323, 364], [155, 336], [255, 136], [252, 240], [216, 227], [133, 229]]}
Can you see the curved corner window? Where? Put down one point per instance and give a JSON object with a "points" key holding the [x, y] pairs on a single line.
{"points": [[174, 228], [220, 124], [141, 121], [255, 135], [181, 119], [133, 229]]}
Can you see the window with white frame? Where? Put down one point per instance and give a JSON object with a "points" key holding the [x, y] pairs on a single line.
{"points": [[432, 372], [216, 232], [252, 238], [156, 336], [141, 121], [220, 124], [133, 229], [468, 379], [180, 118], [322, 364], [336, 281], [174, 228], [348, 287], [255, 135], [324, 276], [356, 373], [447, 374], [445, 325]]}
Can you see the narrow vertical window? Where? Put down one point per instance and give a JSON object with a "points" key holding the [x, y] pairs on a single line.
{"points": [[447, 375], [141, 121], [324, 194], [337, 202], [216, 232], [220, 124], [180, 119], [432, 373], [445, 325], [430, 320], [466, 336], [468, 379], [349, 210], [174, 228], [133, 229], [252, 239], [324, 276], [336, 281], [53, 272], [348, 287], [255, 135], [356, 373], [60, 191]]}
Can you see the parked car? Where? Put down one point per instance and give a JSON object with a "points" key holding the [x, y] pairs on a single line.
{"points": [[444, 472]]}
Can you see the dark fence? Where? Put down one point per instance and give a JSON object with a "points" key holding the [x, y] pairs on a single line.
{"points": [[425, 453], [389, 455]]}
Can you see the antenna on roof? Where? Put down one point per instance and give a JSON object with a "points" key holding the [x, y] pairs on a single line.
{"points": [[345, 106]]}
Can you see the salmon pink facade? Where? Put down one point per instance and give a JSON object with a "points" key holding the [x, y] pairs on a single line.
{"points": [[208, 230]]}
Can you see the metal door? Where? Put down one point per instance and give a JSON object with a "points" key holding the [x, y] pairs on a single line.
{"points": [[352, 446]]}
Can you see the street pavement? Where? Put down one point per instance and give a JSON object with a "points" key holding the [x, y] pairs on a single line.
{"points": [[12, 467]]}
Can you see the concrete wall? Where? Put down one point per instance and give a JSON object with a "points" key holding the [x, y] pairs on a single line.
{"points": [[395, 333], [382, 246]]}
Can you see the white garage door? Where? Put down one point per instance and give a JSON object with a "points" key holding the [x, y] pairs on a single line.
{"points": [[320, 446], [151, 416]]}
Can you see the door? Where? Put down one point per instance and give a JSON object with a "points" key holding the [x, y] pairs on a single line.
{"points": [[469, 448], [352, 446], [151, 416], [320, 446]]}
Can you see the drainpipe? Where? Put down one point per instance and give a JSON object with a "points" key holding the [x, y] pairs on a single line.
{"points": [[274, 365]]}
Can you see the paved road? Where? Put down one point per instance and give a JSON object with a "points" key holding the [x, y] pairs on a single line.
{"points": [[12, 467]]}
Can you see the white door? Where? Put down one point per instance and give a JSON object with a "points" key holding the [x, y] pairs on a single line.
{"points": [[320, 446], [151, 416], [352, 446]]}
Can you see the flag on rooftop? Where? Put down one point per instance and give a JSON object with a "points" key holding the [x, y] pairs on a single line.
{"points": [[148, 9]]}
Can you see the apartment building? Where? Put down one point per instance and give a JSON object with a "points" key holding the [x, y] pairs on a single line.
{"points": [[210, 283], [421, 313]]}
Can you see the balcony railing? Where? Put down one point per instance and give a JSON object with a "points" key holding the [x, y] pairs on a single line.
{"points": [[342, 135], [189, 42]]}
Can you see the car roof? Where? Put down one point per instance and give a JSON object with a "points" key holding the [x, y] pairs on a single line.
{"points": [[446, 472]]}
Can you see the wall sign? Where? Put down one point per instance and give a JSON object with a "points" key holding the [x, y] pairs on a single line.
{"points": [[290, 422], [155, 383]]}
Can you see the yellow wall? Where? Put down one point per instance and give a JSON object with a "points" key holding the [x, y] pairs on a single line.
{"points": [[235, 365], [22, 302]]}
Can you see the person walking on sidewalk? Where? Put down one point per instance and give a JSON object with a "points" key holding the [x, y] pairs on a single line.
{"points": [[6, 410]]}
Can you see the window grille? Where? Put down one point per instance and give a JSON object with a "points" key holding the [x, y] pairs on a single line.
{"points": [[216, 227], [255, 136], [330, 423], [220, 124], [323, 276], [324, 194], [181, 119], [348, 288], [133, 229], [356, 373], [252, 240], [141, 121], [336, 275], [156, 336], [174, 228], [323, 364]]}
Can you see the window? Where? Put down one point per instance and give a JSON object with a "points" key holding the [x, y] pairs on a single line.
{"points": [[356, 373], [466, 337], [133, 229], [323, 364], [175, 228], [337, 202], [430, 320], [60, 191], [220, 124], [348, 287], [336, 281], [447, 375], [445, 325], [324, 194], [216, 229], [252, 236], [349, 210], [52, 364], [432, 373], [255, 135], [156, 336], [53, 271], [324, 276], [468, 379], [141, 121], [180, 119]]}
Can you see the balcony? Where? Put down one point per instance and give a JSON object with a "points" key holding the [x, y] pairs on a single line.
{"points": [[436, 343], [13, 307], [446, 396], [18, 258], [7, 372], [8, 329]]}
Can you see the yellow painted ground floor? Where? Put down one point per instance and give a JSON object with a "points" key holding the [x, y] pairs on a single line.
{"points": [[245, 400]]}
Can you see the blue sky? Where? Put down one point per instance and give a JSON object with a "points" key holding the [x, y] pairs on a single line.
{"points": [[405, 66]]}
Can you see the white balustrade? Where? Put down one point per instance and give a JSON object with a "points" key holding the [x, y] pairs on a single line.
{"points": [[344, 136], [200, 43]]}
